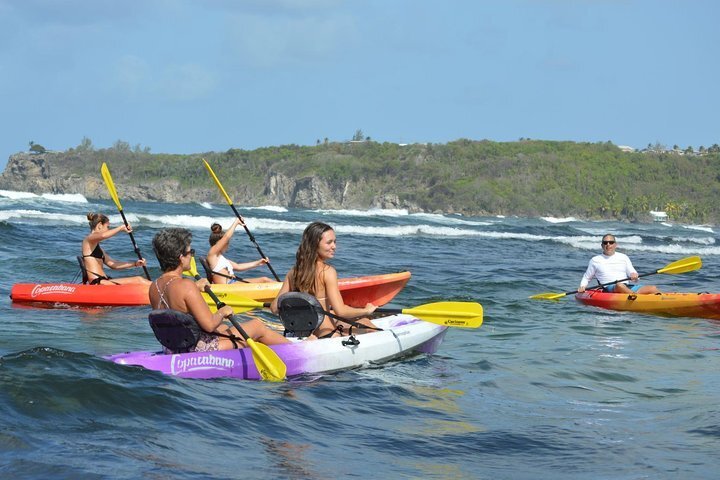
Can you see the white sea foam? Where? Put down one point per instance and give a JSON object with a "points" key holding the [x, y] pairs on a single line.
{"points": [[702, 228], [35, 215], [373, 212], [559, 220], [207, 205], [17, 195], [269, 208], [698, 240], [434, 217], [54, 197], [65, 197]]}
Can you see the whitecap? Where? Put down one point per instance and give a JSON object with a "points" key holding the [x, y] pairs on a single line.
{"points": [[559, 220], [698, 240], [702, 228], [36, 215], [373, 212], [65, 197], [17, 195], [269, 208]]}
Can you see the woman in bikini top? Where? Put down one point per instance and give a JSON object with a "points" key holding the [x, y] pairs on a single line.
{"points": [[94, 257], [311, 274]]}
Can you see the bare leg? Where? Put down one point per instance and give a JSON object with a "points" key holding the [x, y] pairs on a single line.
{"points": [[622, 288], [648, 290], [260, 332]]}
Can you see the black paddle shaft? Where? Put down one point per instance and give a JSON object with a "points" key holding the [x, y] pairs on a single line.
{"points": [[219, 304], [137, 249], [252, 239]]}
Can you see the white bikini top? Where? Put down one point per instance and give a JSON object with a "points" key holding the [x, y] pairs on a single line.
{"points": [[223, 263]]}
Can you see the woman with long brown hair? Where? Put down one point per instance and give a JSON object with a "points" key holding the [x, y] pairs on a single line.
{"points": [[312, 274]]}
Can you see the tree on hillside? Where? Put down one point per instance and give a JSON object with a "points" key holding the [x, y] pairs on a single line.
{"points": [[36, 147], [358, 137], [86, 145]]}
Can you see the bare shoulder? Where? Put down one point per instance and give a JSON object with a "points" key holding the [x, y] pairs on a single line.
{"points": [[329, 272]]}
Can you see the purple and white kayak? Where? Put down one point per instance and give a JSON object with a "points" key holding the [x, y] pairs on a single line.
{"points": [[401, 335]]}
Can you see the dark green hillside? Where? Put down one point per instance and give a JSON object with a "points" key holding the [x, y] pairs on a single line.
{"points": [[529, 177]]}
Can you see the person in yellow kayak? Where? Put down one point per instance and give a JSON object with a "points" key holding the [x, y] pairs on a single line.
{"points": [[172, 247], [312, 274], [94, 257], [219, 244], [611, 266]]}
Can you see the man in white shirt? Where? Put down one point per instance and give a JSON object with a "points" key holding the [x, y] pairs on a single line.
{"points": [[612, 266]]}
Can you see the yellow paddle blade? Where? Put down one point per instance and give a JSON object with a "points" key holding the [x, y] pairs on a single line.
{"points": [[683, 265], [450, 314], [548, 296], [193, 272], [238, 304], [270, 366], [217, 182], [110, 184]]}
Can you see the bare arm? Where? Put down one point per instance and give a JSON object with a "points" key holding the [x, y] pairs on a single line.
{"points": [[118, 265], [198, 308], [241, 267], [334, 298], [223, 242]]}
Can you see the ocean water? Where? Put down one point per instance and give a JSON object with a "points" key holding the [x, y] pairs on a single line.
{"points": [[541, 390]]}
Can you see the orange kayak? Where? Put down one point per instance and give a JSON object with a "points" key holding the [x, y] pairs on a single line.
{"points": [[702, 305], [357, 292]]}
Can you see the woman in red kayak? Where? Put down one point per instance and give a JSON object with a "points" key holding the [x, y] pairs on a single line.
{"points": [[219, 244], [172, 247], [311, 274], [94, 257]]}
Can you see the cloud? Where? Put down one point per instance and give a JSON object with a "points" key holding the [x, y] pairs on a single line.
{"points": [[137, 78], [270, 41]]}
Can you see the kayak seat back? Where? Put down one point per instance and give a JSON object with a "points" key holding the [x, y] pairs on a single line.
{"points": [[83, 270], [301, 313], [206, 267], [176, 331]]}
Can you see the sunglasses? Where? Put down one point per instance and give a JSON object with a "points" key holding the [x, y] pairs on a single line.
{"points": [[608, 242], [190, 252]]}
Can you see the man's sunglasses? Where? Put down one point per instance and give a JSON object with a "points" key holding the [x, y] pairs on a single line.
{"points": [[608, 242], [190, 252]]}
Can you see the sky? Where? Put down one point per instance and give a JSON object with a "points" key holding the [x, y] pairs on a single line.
{"points": [[194, 76]]}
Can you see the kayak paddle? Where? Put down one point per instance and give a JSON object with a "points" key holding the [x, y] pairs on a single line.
{"points": [[113, 193], [269, 364], [230, 202], [683, 265], [449, 314]]}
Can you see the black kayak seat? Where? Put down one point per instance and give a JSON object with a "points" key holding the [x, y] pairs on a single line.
{"points": [[300, 313], [206, 267], [83, 270], [176, 331]]}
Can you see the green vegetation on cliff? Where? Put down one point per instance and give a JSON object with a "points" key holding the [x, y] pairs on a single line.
{"points": [[528, 177]]}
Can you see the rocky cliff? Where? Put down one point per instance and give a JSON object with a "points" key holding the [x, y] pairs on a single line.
{"points": [[61, 172]]}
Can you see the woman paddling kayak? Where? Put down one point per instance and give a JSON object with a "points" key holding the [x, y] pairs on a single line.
{"points": [[219, 244], [94, 257]]}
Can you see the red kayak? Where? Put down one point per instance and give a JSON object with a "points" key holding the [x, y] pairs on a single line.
{"points": [[701, 305], [357, 292]]}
